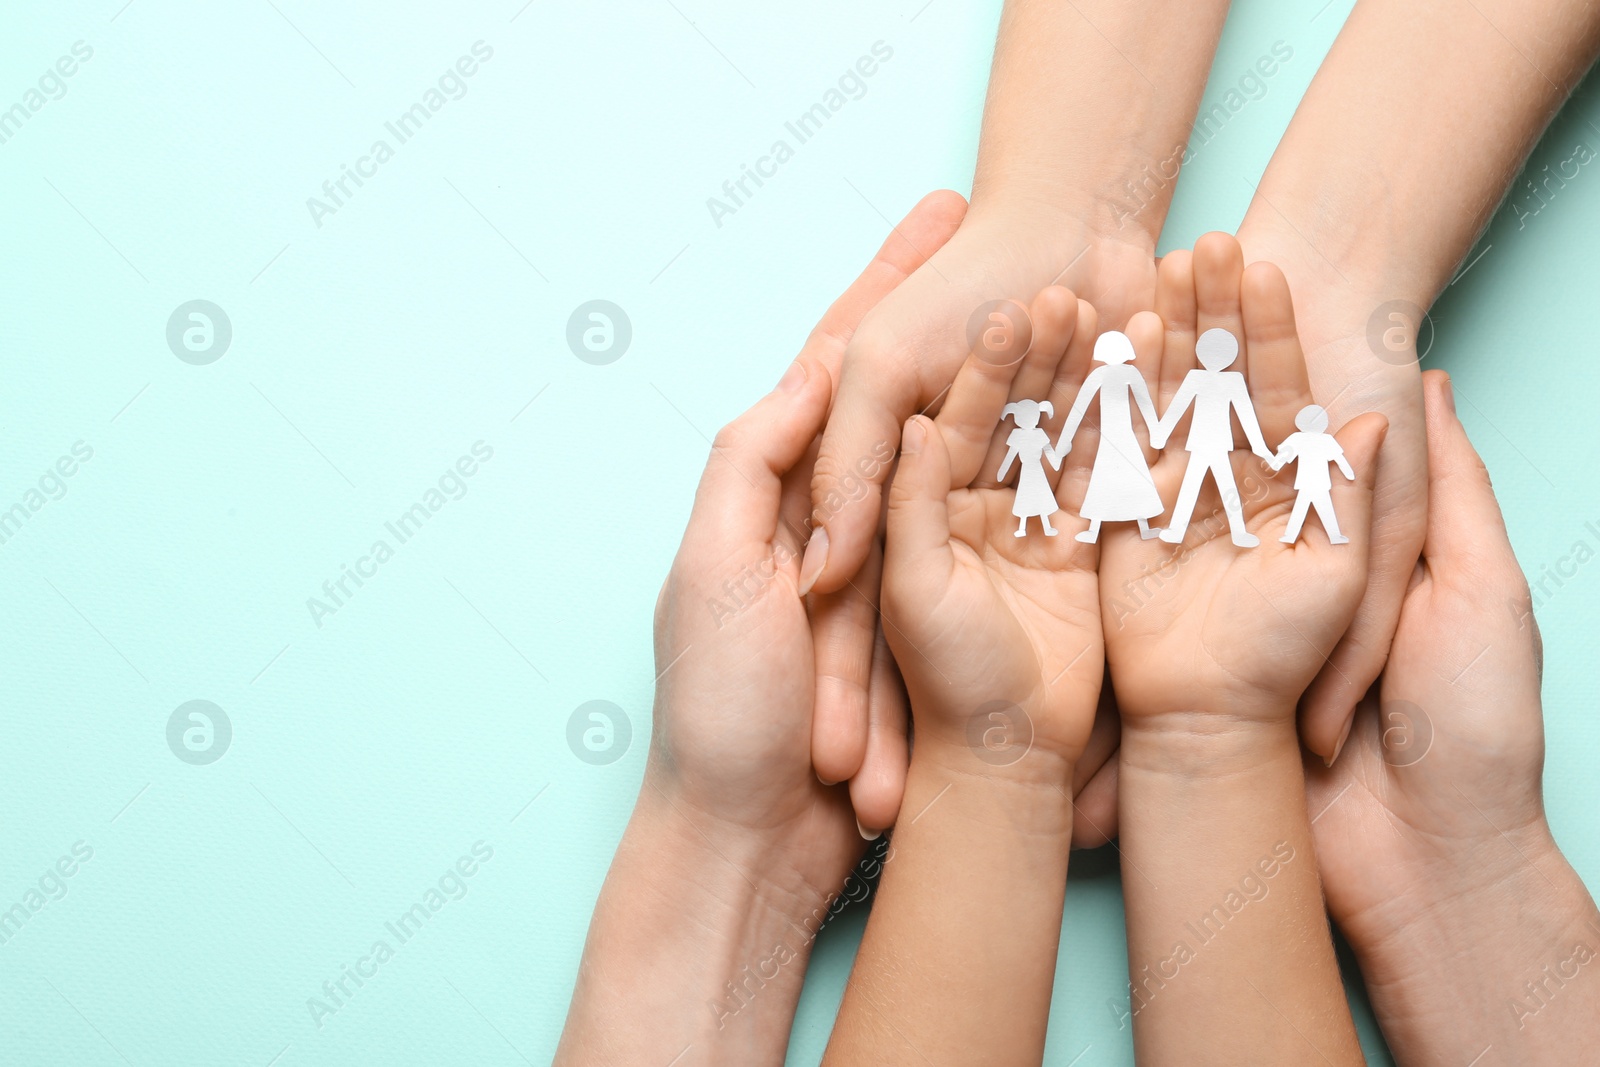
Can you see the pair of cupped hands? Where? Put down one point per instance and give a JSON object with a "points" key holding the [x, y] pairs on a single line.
{"points": [[781, 728]]}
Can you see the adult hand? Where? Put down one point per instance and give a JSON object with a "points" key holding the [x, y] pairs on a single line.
{"points": [[735, 851], [900, 362], [1430, 830]]}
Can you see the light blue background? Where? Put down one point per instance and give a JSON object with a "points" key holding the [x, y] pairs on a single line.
{"points": [[371, 352]]}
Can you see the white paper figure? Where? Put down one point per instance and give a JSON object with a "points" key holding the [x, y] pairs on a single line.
{"points": [[1313, 448], [1216, 393], [1120, 486], [1031, 444]]}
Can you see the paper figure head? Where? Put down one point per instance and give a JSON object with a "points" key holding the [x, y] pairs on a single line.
{"points": [[1217, 349], [1311, 419], [1026, 412], [1113, 347]]}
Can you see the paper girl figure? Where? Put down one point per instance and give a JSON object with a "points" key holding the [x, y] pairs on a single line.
{"points": [[1313, 448], [1030, 444], [1216, 393], [1120, 486]]}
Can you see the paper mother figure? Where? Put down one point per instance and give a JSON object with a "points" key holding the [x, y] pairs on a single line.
{"points": [[1120, 486]]}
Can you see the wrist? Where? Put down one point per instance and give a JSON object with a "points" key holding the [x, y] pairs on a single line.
{"points": [[1521, 876], [1031, 208], [1204, 744], [700, 938], [1496, 937], [1018, 786], [770, 875]]}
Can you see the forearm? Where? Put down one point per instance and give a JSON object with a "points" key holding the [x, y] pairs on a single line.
{"points": [[695, 950], [960, 952], [1411, 131], [1498, 951], [1090, 104], [1228, 944]]}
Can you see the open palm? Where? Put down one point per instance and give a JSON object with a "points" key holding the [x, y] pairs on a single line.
{"points": [[979, 618], [1207, 615]]}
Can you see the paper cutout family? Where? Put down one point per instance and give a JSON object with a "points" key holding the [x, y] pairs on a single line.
{"points": [[1121, 488]]}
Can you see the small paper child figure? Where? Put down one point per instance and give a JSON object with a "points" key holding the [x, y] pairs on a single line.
{"points": [[1313, 448], [1120, 486], [1216, 394], [1031, 444]]}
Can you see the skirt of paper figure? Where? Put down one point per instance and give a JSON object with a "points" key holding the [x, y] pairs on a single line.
{"points": [[1034, 495], [1120, 486]]}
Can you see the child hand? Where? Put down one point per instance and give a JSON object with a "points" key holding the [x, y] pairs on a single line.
{"points": [[1243, 629], [1430, 828], [995, 633]]}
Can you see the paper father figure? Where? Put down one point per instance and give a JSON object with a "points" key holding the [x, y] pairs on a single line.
{"points": [[1216, 394]]}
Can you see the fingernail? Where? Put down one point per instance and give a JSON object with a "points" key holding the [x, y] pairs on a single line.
{"points": [[794, 377], [816, 558], [1344, 736], [862, 830], [1449, 392], [916, 433], [825, 782]]}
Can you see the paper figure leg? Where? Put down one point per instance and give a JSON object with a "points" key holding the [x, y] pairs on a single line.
{"points": [[1297, 519], [1330, 522], [1049, 531], [1145, 533], [1222, 470], [1183, 510], [1022, 527], [1092, 534]]}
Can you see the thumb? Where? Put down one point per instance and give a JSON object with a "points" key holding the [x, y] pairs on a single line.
{"points": [[847, 481], [917, 556], [1466, 532]]}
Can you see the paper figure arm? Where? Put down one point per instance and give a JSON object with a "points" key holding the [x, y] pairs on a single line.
{"points": [[1167, 423], [1005, 464], [1147, 408], [1054, 457], [1079, 406], [1247, 419], [1339, 458]]}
